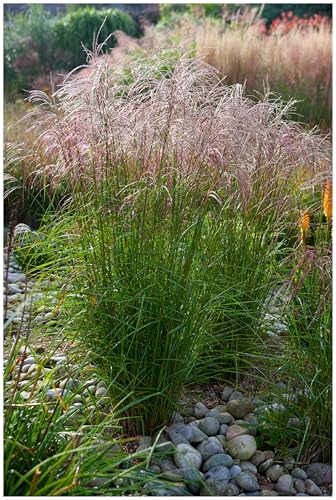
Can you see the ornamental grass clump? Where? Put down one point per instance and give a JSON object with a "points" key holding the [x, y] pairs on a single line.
{"points": [[140, 296], [179, 198]]}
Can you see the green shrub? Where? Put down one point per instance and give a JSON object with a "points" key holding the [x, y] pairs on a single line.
{"points": [[81, 25], [209, 9], [166, 9], [35, 43], [29, 47]]}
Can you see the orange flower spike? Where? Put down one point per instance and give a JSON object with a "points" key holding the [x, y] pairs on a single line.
{"points": [[304, 224], [327, 201]]}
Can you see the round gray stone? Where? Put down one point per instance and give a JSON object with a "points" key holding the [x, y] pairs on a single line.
{"points": [[219, 459], [209, 425], [234, 431], [14, 298], [220, 473], [101, 384], [30, 360], [54, 393], [190, 434], [77, 405], [242, 447], [248, 467], [312, 489], [299, 474], [23, 383], [210, 447], [26, 368], [57, 360], [320, 473], [274, 472], [247, 481], [227, 391], [172, 491], [15, 277], [216, 411], [186, 456], [87, 383], [223, 428], [12, 289], [197, 436], [235, 395], [100, 392], [235, 471], [24, 394], [200, 410], [155, 469], [91, 389], [293, 422], [299, 485], [78, 398], [224, 418], [258, 458], [284, 486], [194, 423], [239, 408]]}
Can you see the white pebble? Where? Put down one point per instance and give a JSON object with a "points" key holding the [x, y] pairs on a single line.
{"points": [[90, 382], [53, 393], [100, 392], [29, 361]]}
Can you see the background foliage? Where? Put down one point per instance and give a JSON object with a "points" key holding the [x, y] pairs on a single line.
{"points": [[37, 43]]}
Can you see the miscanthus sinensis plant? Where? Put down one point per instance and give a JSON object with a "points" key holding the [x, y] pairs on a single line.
{"points": [[180, 197]]}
